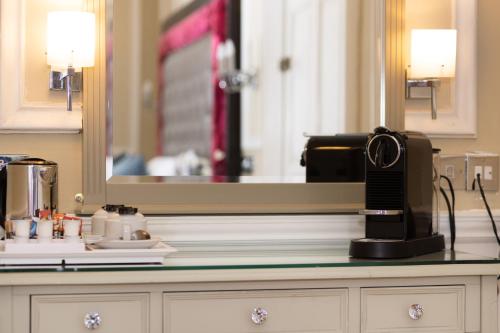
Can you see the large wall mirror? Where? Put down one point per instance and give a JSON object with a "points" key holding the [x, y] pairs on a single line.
{"points": [[209, 102]]}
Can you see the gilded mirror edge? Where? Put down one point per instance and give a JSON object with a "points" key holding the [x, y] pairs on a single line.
{"points": [[96, 191]]}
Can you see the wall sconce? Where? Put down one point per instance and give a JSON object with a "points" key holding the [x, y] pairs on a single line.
{"points": [[232, 80], [70, 46], [433, 56]]}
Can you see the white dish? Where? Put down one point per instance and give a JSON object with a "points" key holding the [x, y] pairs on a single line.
{"points": [[91, 239], [127, 244]]}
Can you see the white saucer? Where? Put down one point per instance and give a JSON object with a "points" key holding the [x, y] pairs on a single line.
{"points": [[127, 244], [92, 239]]}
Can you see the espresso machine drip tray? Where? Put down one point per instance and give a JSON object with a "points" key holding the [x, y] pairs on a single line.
{"points": [[393, 248]]}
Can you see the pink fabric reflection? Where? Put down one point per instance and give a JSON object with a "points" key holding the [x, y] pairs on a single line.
{"points": [[209, 19]]}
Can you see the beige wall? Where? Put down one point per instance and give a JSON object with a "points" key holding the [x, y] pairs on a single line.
{"points": [[125, 77], [429, 14], [135, 65], [369, 73], [168, 7], [178, 4], [149, 77], [64, 149]]}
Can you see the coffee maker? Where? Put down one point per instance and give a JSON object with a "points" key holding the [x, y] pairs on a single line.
{"points": [[27, 186], [336, 158], [398, 197]]}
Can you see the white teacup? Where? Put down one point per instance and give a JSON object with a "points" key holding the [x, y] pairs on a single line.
{"points": [[71, 229], [44, 230], [22, 229], [116, 229]]}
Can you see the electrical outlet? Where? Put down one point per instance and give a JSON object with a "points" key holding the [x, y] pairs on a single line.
{"points": [[488, 172], [485, 164], [478, 171], [453, 167]]}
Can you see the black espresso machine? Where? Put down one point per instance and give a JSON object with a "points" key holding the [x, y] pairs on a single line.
{"points": [[335, 158], [398, 197], [398, 174]]}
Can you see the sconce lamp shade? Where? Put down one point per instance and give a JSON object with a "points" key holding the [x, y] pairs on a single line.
{"points": [[433, 53], [70, 39]]}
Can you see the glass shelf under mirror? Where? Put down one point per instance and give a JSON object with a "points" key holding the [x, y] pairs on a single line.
{"points": [[272, 259]]}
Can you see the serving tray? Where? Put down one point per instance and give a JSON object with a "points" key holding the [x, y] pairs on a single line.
{"points": [[91, 255], [52, 246]]}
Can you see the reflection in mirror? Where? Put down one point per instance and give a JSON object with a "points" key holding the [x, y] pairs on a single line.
{"points": [[224, 90]]}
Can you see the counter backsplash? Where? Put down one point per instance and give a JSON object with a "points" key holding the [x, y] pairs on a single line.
{"points": [[245, 232]]}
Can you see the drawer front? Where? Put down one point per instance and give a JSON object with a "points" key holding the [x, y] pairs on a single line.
{"points": [[322, 311], [124, 313], [388, 309]]}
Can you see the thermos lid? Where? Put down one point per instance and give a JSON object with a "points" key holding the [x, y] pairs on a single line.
{"points": [[127, 210], [112, 208], [32, 161]]}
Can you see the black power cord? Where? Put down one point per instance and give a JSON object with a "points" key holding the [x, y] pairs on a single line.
{"points": [[481, 190], [451, 209]]}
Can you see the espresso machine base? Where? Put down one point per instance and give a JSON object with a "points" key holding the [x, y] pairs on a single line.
{"points": [[392, 249]]}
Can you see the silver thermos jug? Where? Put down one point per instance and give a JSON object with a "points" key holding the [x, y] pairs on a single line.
{"points": [[31, 186]]}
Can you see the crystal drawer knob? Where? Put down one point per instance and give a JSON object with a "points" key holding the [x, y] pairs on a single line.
{"points": [[92, 320], [259, 316], [416, 311]]}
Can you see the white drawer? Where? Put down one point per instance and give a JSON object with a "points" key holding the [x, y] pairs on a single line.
{"points": [[124, 313], [229, 312], [387, 309]]}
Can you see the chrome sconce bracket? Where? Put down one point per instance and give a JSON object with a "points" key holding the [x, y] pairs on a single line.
{"points": [[70, 81], [57, 82], [234, 82], [431, 83]]}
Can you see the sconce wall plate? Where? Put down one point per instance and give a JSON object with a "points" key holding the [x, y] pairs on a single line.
{"points": [[56, 82], [423, 83], [431, 83], [420, 83]]}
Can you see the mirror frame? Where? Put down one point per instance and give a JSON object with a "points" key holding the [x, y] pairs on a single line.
{"points": [[226, 198]]}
